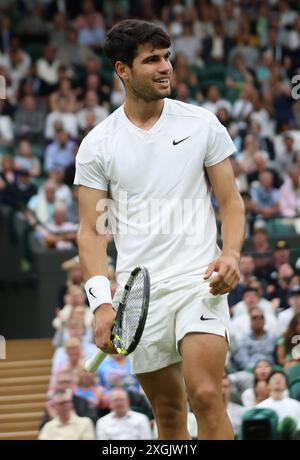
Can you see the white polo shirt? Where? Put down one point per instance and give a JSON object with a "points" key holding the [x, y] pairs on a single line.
{"points": [[132, 426], [161, 213]]}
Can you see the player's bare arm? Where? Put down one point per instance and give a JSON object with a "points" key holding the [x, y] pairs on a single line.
{"points": [[232, 213], [93, 257]]}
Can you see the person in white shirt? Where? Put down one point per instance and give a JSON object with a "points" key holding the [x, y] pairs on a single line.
{"points": [[159, 158], [122, 423], [68, 119], [240, 324], [278, 401]]}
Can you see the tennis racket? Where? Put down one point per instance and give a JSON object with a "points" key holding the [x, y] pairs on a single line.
{"points": [[130, 319]]}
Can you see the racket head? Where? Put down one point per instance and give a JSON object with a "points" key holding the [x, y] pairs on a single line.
{"points": [[132, 312]]}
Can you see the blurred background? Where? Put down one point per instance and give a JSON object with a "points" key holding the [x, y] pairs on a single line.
{"points": [[236, 58]]}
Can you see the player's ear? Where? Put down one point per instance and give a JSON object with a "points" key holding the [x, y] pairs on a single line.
{"points": [[121, 70]]}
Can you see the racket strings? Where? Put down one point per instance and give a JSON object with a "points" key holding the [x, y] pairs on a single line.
{"points": [[133, 311]]}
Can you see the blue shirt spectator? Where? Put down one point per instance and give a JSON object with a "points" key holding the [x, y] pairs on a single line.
{"points": [[59, 154]]}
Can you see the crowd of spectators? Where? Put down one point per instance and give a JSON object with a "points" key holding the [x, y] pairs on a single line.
{"points": [[236, 58]]}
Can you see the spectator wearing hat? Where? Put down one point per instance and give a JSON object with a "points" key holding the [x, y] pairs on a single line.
{"points": [[281, 255]]}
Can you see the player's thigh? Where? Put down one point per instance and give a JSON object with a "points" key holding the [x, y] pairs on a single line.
{"points": [[165, 389], [203, 361]]}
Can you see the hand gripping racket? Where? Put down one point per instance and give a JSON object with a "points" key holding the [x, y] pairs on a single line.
{"points": [[130, 319]]}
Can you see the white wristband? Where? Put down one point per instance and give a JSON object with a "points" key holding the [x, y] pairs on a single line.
{"points": [[98, 291]]}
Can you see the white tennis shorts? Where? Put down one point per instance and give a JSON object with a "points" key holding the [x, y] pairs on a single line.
{"points": [[178, 307]]}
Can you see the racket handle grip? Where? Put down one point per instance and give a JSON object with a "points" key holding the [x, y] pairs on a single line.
{"points": [[94, 362]]}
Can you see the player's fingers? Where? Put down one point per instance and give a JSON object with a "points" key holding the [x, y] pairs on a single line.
{"points": [[231, 278], [213, 267], [220, 289]]}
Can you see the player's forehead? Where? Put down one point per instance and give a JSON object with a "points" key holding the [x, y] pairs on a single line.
{"points": [[148, 49]]}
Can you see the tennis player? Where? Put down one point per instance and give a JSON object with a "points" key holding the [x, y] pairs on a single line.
{"points": [[156, 160]]}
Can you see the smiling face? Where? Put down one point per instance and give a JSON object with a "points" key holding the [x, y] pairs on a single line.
{"points": [[149, 76]]}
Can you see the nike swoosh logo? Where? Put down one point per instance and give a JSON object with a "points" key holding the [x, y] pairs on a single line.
{"points": [[90, 291], [178, 142], [205, 319]]}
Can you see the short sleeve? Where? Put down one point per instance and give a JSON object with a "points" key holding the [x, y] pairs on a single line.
{"points": [[90, 169], [219, 145]]}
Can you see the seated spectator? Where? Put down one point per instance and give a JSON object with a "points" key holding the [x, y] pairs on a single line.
{"points": [[26, 160], [116, 371], [262, 252], [64, 90], [91, 105], [68, 315], [33, 25], [17, 61], [74, 277], [247, 268], [48, 65], [241, 324], [285, 317], [71, 356], [235, 411], [214, 102], [279, 287], [68, 119], [59, 154], [16, 188], [262, 164], [259, 391], [265, 197], [281, 255], [42, 204], [63, 192], [82, 407], [88, 388], [289, 198], [121, 422], [285, 152], [6, 131], [278, 401], [66, 425], [189, 45], [58, 233], [286, 342], [29, 119], [257, 344], [246, 157], [20, 192], [32, 84], [74, 55], [91, 34], [240, 308], [217, 46]]}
